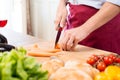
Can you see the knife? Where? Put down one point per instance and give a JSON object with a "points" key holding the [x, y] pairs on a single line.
{"points": [[58, 36]]}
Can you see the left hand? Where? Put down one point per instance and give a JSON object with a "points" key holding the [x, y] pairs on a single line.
{"points": [[71, 37]]}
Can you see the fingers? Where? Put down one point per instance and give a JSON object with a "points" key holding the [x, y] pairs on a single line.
{"points": [[76, 41], [60, 19], [69, 41], [63, 21], [57, 22], [63, 42]]}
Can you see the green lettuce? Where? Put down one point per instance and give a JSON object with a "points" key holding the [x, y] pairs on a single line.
{"points": [[15, 65]]}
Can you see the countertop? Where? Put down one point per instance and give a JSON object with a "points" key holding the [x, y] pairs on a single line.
{"points": [[80, 52]]}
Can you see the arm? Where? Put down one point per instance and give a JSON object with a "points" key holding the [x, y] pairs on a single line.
{"points": [[73, 36], [63, 2], [61, 14], [105, 14]]}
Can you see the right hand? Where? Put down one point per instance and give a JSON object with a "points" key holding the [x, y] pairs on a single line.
{"points": [[61, 16]]}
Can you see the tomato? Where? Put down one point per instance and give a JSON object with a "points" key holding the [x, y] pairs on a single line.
{"points": [[108, 60], [101, 66], [117, 60], [91, 61], [95, 57], [112, 56]]}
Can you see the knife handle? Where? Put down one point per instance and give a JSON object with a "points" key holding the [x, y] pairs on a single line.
{"points": [[60, 28]]}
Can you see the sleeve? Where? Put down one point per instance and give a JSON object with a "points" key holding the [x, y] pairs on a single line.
{"points": [[117, 2]]}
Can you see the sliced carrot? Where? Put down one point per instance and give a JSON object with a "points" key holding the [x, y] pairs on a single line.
{"points": [[35, 50], [52, 50], [57, 46], [45, 50], [40, 54], [35, 46]]}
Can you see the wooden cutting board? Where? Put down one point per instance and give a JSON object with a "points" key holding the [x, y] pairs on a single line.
{"points": [[80, 53]]}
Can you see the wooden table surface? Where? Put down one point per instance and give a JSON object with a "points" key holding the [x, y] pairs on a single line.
{"points": [[80, 52]]}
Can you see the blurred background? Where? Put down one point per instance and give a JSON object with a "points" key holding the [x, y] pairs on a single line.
{"points": [[33, 17]]}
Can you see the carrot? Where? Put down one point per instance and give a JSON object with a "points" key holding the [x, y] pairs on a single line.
{"points": [[57, 46], [45, 50], [40, 54], [35, 46]]}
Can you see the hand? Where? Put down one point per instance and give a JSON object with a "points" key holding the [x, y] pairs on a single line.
{"points": [[61, 16], [71, 37]]}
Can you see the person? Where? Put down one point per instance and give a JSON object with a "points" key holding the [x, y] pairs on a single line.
{"points": [[93, 23]]}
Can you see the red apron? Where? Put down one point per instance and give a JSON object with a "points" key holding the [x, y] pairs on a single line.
{"points": [[107, 37]]}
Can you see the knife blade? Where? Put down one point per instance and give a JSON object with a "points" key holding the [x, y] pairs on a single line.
{"points": [[58, 37]]}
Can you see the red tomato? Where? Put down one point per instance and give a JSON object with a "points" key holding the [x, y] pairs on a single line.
{"points": [[108, 60], [117, 60], [95, 57], [91, 61], [112, 56], [101, 66]]}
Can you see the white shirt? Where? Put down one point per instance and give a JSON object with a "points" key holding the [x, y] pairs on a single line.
{"points": [[94, 3]]}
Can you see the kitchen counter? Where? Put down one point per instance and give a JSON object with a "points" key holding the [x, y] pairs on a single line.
{"points": [[80, 52]]}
